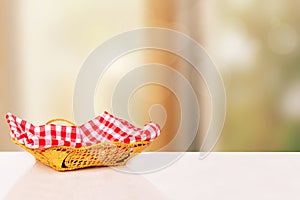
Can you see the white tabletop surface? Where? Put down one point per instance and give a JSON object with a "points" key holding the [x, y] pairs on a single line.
{"points": [[221, 176]]}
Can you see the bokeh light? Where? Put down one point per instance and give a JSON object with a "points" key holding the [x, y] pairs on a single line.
{"points": [[254, 43]]}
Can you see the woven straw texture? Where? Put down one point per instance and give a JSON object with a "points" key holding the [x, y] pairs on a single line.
{"points": [[65, 158]]}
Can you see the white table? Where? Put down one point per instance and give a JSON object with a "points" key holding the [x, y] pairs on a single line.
{"points": [[219, 176]]}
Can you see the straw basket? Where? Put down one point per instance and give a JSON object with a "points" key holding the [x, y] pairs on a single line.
{"points": [[64, 158]]}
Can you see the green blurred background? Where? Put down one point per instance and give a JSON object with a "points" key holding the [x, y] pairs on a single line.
{"points": [[262, 75], [254, 43]]}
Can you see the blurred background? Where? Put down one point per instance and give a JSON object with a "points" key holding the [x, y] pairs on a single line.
{"points": [[254, 43]]}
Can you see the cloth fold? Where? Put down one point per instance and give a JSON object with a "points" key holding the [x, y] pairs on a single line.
{"points": [[104, 128]]}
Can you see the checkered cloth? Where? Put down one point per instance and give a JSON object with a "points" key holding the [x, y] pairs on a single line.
{"points": [[104, 128]]}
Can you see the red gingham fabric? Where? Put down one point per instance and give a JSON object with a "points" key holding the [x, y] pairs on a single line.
{"points": [[109, 128], [42, 136], [103, 128]]}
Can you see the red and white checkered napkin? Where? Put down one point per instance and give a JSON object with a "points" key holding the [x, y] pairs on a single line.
{"points": [[104, 128], [42, 136]]}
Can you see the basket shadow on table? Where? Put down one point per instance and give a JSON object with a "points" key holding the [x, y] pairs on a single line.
{"points": [[42, 182]]}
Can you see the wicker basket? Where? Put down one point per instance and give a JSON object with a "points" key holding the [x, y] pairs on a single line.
{"points": [[64, 158]]}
